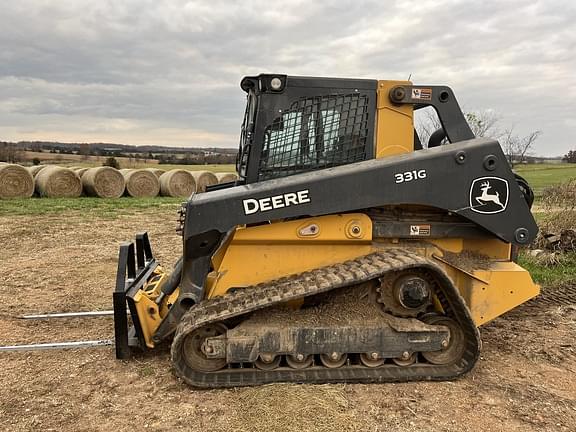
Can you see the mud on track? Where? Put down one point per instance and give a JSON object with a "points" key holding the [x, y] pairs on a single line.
{"points": [[524, 381]]}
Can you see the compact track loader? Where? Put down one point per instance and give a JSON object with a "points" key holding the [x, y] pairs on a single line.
{"points": [[345, 252]]}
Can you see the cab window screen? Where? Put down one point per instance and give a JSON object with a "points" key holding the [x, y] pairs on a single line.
{"points": [[315, 133]]}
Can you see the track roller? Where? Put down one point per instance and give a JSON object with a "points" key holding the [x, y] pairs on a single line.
{"points": [[268, 361], [333, 360], [299, 361]]}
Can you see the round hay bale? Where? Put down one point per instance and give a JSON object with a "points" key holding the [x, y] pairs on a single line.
{"points": [[203, 179], [81, 171], [15, 182], [156, 171], [177, 183], [58, 182], [226, 177], [141, 183], [34, 170], [103, 182]]}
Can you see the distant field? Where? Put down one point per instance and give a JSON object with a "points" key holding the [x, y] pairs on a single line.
{"points": [[541, 176], [125, 162]]}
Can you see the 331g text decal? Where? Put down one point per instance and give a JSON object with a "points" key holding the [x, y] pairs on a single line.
{"points": [[408, 176]]}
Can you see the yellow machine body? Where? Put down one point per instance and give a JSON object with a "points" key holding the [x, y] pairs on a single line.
{"points": [[284, 248]]}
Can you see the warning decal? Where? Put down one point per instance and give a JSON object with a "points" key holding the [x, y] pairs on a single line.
{"points": [[422, 93], [419, 230]]}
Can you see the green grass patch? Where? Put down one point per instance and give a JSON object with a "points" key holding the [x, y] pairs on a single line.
{"points": [[95, 207], [541, 176], [550, 274]]}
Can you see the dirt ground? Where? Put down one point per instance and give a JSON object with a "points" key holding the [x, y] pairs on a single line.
{"points": [[524, 381]]}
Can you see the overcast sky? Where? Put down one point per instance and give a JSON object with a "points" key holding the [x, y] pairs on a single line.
{"points": [[167, 72]]}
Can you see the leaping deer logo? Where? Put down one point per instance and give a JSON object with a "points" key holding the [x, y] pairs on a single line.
{"points": [[487, 197]]}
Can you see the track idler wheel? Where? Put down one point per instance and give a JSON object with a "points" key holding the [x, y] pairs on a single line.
{"points": [[455, 346], [193, 349]]}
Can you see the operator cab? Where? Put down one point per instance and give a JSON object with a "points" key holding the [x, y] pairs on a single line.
{"points": [[298, 124]]}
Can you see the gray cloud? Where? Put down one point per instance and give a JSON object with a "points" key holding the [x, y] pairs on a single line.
{"points": [[167, 72]]}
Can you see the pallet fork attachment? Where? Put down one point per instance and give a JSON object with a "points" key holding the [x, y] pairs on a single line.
{"points": [[135, 265]]}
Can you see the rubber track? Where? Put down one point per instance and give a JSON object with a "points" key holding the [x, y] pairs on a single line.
{"points": [[359, 270]]}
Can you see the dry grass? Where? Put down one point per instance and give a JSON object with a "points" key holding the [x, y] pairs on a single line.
{"points": [[67, 260], [294, 408], [557, 218]]}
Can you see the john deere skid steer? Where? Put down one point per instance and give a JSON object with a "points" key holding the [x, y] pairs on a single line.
{"points": [[345, 252]]}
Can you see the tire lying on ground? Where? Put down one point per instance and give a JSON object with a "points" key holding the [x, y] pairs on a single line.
{"points": [[58, 182], [157, 171], [140, 183], [203, 179], [177, 183], [15, 182], [103, 182], [226, 177], [34, 170]]}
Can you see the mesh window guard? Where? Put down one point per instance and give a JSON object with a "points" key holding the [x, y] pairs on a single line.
{"points": [[316, 132]]}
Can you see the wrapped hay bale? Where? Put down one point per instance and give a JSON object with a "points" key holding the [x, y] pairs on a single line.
{"points": [[141, 183], [34, 170], [177, 183], [58, 182], [156, 171], [15, 182], [226, 177], [80, 171], [103, 182], [203, 179]]}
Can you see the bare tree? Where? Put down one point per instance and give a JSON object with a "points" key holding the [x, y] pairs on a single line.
{"points": [[9, 152], [84, 151], [516, 147], [484, 123], [426, 121]]}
